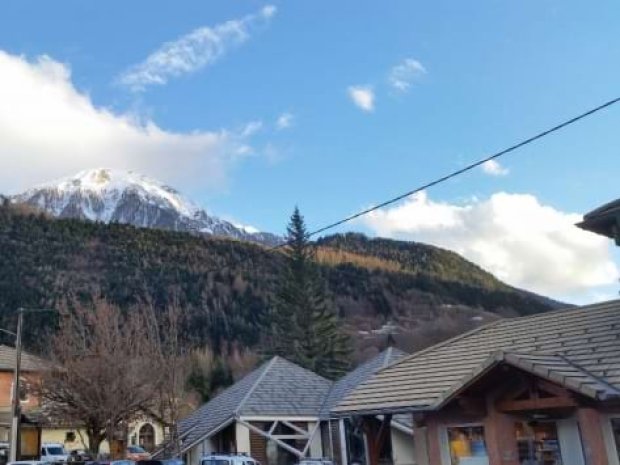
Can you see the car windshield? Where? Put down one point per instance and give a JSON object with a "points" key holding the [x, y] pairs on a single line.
{"points": [[136, 449], [215, 462], [55, 451]]}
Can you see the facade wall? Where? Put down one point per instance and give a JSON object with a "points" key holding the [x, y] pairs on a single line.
{"points": [[585, 437], [403, 452], [60, 435], [6, 390]]}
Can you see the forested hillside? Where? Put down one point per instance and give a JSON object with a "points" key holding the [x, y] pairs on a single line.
{"points": [[225, 286]]}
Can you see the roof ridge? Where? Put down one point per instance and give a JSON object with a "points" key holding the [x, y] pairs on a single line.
{"points": [[597, 378], [441, 344], [574, 309], [268, 366]]}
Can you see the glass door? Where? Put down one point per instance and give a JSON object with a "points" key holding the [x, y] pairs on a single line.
{"points": [[538, 443]]}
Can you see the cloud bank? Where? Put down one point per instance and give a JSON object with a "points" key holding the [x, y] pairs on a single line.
{"points": [[514, 236], [194, 51], [49, 129], [363, 97]]}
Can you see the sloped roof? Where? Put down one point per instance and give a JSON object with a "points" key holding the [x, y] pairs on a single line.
{"points": [[343, 386], [29, 362], [278, 387], [604, 220], [578, 348]]}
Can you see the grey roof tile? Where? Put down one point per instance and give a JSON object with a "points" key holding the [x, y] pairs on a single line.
{"points": [[582, 345], [29, 362], [278, 387], [356, 377]]}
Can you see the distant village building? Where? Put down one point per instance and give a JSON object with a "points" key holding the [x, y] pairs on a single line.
{"points": [[280, 413]]}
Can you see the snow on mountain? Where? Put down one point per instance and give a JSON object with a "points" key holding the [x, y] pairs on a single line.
{"points": [[108, 195]]}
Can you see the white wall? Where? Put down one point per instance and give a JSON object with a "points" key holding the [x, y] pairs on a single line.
{"points": [[242, 437], [403, 452], [316, 446]]}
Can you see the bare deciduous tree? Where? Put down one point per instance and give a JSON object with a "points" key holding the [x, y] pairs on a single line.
{"points": [[104, 368]]}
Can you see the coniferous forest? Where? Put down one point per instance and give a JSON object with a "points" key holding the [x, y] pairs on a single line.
{"points": [[227, 288]]}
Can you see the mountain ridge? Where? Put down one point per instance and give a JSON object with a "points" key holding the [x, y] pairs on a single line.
{"points": [[127, 197]]}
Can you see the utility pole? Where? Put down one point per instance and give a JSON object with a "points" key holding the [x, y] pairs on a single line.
{"points": [[15, 423]]}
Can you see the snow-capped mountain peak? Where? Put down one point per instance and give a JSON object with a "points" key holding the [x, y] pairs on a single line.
{"points": [[109, 195]]}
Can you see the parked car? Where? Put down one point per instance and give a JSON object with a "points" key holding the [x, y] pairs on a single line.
{"points": [[173, 462], [315, 461], [224, 459], [27, 462], [52, 452], [119, 462], [137, 453]]}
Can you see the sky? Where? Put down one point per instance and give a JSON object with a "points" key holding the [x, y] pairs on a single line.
{"points": [[252, 107]]}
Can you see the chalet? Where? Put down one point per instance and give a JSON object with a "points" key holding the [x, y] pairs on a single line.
{"points": [[542, 389], [281, 412]]}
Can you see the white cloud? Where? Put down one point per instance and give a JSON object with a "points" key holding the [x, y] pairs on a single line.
{"points": [[363, 97], [196, 50], [494, 168], [284, 121], [49, 129], [514, 236], [402, 76]]}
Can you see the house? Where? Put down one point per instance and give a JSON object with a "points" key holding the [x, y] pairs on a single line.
{"points": [[36, 428], [30, 424], [281, 412], [541, 389]]}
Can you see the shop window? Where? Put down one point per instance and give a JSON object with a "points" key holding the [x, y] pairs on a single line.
{"points": [[615, 428], [467, 446], [538, 443]]}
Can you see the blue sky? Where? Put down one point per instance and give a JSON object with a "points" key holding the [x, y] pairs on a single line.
{"points": [[485, 74]]}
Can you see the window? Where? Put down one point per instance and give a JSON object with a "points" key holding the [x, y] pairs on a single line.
{"points": [[615, 428], [467, 446], [538, 442]]}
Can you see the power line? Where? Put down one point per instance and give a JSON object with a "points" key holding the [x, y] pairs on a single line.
{"points": [[448, 176], [470, 167]]}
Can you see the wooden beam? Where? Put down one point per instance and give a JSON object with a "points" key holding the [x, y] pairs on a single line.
{"points": [[536, 404], [282, 444], [294, 427]]}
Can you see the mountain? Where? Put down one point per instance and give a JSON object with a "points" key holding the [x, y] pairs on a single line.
{"points": [[113, 196], [413, 293]]}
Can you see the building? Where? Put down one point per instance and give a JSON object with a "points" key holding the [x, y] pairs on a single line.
{"points": [[542, 389], [37, 429], [604, 220], [280, 413], [272, 414], [31, 428]]}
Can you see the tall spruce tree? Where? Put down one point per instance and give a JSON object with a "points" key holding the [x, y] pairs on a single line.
{"points": [[304, 326]]}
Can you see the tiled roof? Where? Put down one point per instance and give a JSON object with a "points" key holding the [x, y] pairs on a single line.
{"points": [[578, 348], [343, 386], [29, 362], [278, 387], [604, 220]]}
